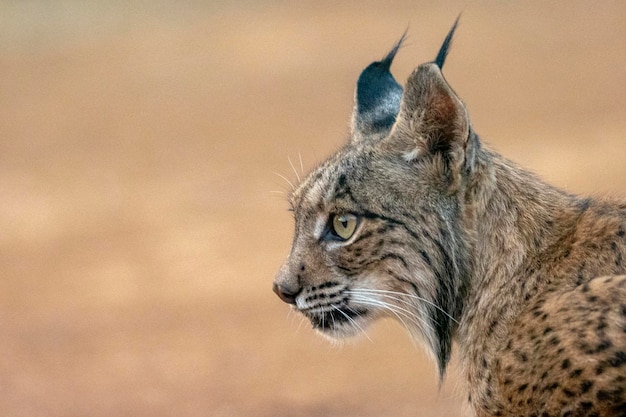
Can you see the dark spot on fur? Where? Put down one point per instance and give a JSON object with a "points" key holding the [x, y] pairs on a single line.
{"points": [[585, 386], [426, 258], [568, 393], [603, 345], [618, 359], [619, 410], [522, 388], [565, 364], [554, 341], [552, 386], [603, 395], [618, 254]]}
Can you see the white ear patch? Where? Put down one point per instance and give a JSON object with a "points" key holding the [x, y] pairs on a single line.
{"points": [[411, 155]]}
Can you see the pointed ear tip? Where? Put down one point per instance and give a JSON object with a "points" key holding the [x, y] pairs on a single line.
{"points": [[425, 70]]}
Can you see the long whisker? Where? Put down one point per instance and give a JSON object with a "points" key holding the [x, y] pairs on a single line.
{"points": [[422, 320], [424, 323], [352, 322], [294, 169], [285, 178], [418, 321], [405, 302], [416, 297], [375, 303], [301, 165], [415, 324]]}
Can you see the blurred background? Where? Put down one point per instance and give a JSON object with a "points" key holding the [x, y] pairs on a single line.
{"points": [[139, 228]]}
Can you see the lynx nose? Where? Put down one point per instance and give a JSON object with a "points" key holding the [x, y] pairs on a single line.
{"points": [[286, 294]]}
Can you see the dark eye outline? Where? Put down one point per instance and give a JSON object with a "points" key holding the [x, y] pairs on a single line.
{"points": [[332, 235]]}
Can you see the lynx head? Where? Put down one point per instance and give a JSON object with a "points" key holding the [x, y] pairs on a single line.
{"points": [[377, 224]]}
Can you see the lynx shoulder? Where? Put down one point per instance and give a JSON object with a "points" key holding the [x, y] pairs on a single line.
{"points": [[416, 219]]}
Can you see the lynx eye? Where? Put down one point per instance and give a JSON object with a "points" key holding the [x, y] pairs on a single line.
{"points": [[343, 225]]}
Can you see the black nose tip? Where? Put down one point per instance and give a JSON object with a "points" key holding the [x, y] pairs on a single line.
{"points": [[288, 295]]}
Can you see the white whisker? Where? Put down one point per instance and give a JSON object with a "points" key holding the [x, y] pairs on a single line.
{"points": [[301, 165], [397, 311], [352, 322], [416, 297], [417, 320], [285, 178], [294, 169]]}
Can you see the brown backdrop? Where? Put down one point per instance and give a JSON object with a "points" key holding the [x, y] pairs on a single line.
{"points": [[139, 233]]}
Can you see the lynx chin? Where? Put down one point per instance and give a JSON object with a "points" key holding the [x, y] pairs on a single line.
{"points": [[416, 219]]}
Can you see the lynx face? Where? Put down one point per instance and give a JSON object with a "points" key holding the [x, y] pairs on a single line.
{"points": [[375, 225], [353, 258]]}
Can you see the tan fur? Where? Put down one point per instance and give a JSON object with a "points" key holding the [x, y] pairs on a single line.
{"points": [[458, 243]]}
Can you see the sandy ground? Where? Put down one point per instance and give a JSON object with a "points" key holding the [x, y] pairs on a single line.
{"points": [[139, 234]]}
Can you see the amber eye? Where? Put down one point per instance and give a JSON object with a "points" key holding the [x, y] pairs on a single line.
{"points": [[343, 225]]}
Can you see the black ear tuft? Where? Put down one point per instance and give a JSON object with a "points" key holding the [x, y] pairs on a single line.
{"points": [[388, 59], [378, 96], [447, 42]]}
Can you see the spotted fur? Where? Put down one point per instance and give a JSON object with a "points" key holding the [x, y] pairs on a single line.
{"points": [[460, 244]]}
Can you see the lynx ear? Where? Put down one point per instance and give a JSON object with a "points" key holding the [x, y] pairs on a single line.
{"points": [[377, 98], [432, 119]]}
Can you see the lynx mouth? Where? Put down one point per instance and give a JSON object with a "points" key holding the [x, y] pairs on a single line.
{"points": [[337, 321]]}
